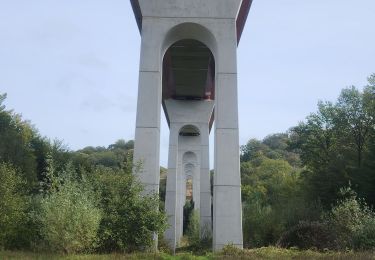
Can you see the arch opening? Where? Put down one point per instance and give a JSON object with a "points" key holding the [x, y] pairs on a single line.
{"points": [[188, 71], [188, 200], [189, 130]]}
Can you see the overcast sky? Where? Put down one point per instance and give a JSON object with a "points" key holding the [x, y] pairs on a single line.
{"points": [[71, 66]]}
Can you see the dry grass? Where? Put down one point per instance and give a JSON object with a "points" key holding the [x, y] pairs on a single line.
{"points": [[279, 253], [228, 253]]}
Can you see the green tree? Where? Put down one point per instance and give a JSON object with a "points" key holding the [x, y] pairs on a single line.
{"points": [[272, 199], [115, 156], [13, 205], [68, 216], [15, 137], [22, 146], [275, 146], [352, 221], [129, 219], [316, 139], [356, 123], [336, 145]]}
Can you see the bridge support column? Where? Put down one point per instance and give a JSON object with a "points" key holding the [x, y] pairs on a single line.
{"points": [[171, 189], [205, 183], [227, 222], [147, 133]]}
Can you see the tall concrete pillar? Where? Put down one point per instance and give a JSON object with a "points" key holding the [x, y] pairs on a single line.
{"points": [[196, 187], [147, 133], [171, 189], [227, 208], [205, 185], [192, 160], [180, 198]]}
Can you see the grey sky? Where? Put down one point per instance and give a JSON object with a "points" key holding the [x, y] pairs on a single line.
{"points": [[71, 66]]}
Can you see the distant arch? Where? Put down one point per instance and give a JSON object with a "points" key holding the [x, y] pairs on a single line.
{"points": [[189, 169], [189, 130], [189, 157]]}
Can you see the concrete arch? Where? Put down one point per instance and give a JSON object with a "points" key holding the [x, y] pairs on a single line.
{"points": [[192, 31], [189, 130], [189, 157], [189, 169]]}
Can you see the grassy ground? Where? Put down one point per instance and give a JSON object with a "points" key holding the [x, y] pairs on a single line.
{"points": [[259, 253]]}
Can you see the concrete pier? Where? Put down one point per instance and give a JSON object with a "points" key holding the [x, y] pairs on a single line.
{"points": [[188, 66]]}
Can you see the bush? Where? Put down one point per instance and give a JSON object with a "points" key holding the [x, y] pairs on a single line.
{"points": [[199, 238], [262, 225], [231, 251], [364, 238], [129, 219], [68, 215], [348, 225], [187, 214], [353, 222], [192, 230], [307, 235], [13, 203]]}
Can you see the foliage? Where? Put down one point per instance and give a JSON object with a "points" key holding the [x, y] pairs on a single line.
{"points": [[258, 253], [13, 205], [68, 215], [15, 137], [264, 224], [274, 146], [129, 219], [268, 180], [58, 206], [232, 251], [199, 238], [292, 253], [308, 235], [193, 227], [289, 183], [115, 156], [188, 211], [352, 221], [261, 225], [336, 145], [273, 200], [22, 146], [288, 180]]}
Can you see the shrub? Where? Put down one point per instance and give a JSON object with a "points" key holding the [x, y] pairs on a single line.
{"points": [[13, 203], [199, 238], [68, 215], [231, 250], [353, 222], [130, 220], [192, 230], [307, 235], [262, 225]]}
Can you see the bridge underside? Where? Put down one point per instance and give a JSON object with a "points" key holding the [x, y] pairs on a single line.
{"points": [[188, 73]]}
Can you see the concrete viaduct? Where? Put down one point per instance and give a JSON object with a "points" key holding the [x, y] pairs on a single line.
{"points": [[188, 66]]}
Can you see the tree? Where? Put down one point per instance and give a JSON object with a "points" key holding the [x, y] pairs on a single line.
{"points": [[273, 146], [116, 156], [129, 219], [352, 221], [68, 216], [21, 145], [316, 139], [355, 120], [336, 145], [13, 205]]}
